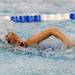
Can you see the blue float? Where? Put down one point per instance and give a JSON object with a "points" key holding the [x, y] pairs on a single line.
{"points": [[14, 19], [28, 18], [72, 16], [37, 18]]}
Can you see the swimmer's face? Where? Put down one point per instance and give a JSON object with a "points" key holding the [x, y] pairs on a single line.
{"points": [[12, 38]]}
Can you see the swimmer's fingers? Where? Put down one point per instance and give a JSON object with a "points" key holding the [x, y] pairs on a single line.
{"points": [[70, 44]]}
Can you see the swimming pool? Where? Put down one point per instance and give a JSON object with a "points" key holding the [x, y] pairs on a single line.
{"points": [[33, 61]]}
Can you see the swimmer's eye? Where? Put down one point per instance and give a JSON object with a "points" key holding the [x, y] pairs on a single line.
{"points": [[19, 42]]}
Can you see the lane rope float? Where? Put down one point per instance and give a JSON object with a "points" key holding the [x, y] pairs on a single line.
{"points": [[39, 18]]}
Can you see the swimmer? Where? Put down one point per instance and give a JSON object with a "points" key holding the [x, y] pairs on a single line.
{"points": [[12, 38]]}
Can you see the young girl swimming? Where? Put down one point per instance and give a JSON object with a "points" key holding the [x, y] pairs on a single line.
{"points": [[12, 38]]}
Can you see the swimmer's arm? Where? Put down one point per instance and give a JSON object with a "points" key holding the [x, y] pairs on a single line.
{"points": [[47, 33], [36, 39]]}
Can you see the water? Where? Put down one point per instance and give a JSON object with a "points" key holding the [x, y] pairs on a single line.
{"points": [[35, 61]]}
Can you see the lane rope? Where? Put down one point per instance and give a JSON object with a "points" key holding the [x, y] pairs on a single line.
{"points": [[39, 18]]}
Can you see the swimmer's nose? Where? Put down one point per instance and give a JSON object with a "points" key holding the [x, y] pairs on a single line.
{"points": [[6, 36]]}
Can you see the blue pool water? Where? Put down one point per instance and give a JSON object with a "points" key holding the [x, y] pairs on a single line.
{"points": [[33, 60]]}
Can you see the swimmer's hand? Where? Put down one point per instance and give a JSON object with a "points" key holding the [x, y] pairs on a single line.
{"points": [[70, 44]]}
